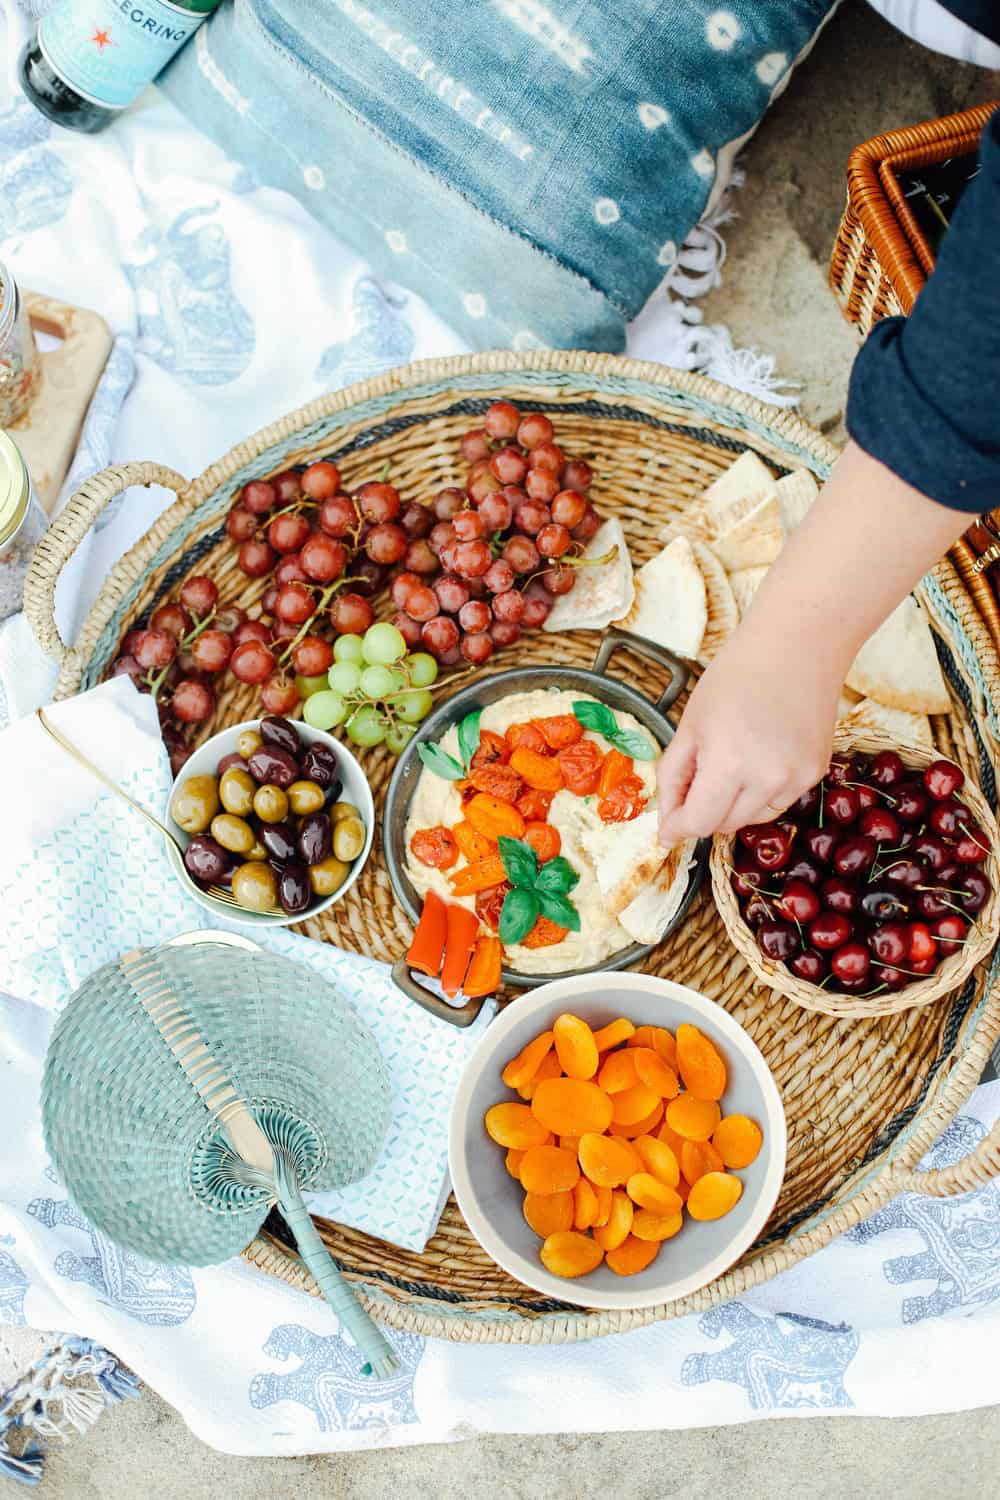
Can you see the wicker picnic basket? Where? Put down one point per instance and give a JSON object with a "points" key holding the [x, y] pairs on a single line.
{"points": [[865, 1098], [881, 259]]}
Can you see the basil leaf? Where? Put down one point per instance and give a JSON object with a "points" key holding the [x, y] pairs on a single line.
{"points": [[596, 716], [520, 862], [556, 877], [559, 910], [468, 736], [440, 762], [518, 915], [635, 743]]}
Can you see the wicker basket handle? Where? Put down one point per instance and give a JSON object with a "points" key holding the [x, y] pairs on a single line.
{"points": [[973, 1171], [66, 533]]}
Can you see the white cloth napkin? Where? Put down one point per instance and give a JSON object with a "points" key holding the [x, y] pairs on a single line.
{"points": [[83, 879]]}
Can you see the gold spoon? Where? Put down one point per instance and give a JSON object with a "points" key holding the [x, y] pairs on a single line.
{"points": [[217, 892]]}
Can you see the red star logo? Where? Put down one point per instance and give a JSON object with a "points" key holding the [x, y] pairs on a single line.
{"points": [[101, 39]]}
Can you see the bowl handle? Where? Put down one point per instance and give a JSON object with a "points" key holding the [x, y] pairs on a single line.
{"points": [[615, 640], [455, 1015]]}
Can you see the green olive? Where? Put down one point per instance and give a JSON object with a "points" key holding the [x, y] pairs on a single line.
{"points": [[270, 804], [255, 887], [348, 838], [233, 833], [249, 741], [328, 875], [339, 810], [305, 797], [257, 852], [195, 803], [236, 791]]}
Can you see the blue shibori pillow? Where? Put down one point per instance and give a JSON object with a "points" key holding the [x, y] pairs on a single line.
{"points": [[530, 169]]}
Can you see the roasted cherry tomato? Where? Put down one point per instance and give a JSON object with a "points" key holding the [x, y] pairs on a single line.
{"points": [[624, 802], [527, 735], [544, 934], [614, 770], [560, 731], [434, 847], [544, 839], [533, 805], [492, 748], [498, 780], [489, 904], [581, 767]]}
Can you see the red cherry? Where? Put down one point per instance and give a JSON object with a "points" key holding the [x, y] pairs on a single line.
{"points": [[320, 480], [943, 779], [946, 817], [976, 889], [807, 805], [842, 804], [950, 932], [854, 856], [772, 850], [839, 894], [880, 825], [747, 875], [778, 940], [893, 979], [805, 869], [911, 802], [935, 854], [829, 930], [811, 967], [820, 843], [259, 497], [890, 943], [757, 910], [935, 903], [921, 942], [851, 962], [798, 901], [867, 796], [971, 848], [887, 769], [839, 770], [883, 904], [905, 872]]}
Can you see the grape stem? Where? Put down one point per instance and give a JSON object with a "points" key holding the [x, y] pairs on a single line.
{"points": [[323, 601], [183, 644]]}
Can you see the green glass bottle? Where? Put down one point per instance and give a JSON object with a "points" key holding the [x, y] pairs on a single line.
{"points": [[89, 59]]}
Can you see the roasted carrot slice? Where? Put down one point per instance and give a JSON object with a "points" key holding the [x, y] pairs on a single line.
{"points": [[427, 949], [481, 875], [460, 940], [483, 975]]}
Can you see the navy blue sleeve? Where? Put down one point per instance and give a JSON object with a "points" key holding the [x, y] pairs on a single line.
{"points": [[924, 396]]}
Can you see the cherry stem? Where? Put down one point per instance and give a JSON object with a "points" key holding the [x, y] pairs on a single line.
{"points": [[875, 788], [985, 847]]}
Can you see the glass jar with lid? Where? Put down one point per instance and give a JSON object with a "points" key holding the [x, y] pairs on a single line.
{"points": [[22, 523], [19, 368]]}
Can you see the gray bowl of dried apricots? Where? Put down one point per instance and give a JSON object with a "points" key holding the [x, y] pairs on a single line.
{"points": [[616, 1144]]}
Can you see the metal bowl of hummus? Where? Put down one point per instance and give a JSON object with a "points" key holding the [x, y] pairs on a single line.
{"points": [[607, 939]]}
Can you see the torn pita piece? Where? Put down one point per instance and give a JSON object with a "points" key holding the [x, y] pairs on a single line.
{"points": [[753, 536], [796, 493], [898, 665], [649, 914], [604, 592], [626, 856], [743, 486], [670, 606], [723, 616], [901, 727]]}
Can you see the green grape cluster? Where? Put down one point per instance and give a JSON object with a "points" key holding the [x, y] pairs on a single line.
{"points": [[375, 689]]}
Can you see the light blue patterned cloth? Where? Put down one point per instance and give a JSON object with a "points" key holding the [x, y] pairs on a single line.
{"points": [[82, 881]]}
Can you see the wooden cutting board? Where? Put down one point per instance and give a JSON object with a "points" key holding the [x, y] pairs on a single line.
{"points": [[48, 432]]}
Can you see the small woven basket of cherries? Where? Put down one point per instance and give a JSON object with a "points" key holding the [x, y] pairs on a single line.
{"points": [[877, 890]]}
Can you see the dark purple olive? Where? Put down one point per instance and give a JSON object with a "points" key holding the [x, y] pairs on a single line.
{"points": [[976, 888], [280, 733], [293, 888], [279, 841], [334, 791], [838, 894], [778, 940], [854, 855], [884, 905], [315, 837], [804, 869], [271, 764], [319, 764], [229, 762], [905, 872], [205, 860]]}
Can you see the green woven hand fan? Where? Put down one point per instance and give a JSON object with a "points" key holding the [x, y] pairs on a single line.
{"points": [[189, 1088]]}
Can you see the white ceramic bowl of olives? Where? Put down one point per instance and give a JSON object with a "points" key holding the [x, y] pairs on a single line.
{"points": [[277, 813]]}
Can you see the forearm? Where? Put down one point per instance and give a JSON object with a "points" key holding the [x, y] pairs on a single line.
{"points": [[867, 540]]}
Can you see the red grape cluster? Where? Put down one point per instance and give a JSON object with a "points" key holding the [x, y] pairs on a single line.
{"points": [[869, 880], [468, 572], [497, 552]]}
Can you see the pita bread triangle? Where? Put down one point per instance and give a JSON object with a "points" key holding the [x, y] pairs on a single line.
{"points": [[898, 665], [670, 606]]}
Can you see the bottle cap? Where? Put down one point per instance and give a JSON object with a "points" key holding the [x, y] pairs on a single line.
{"points": [[15, 489]]}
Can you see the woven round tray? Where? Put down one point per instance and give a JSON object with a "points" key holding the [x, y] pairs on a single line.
{"points": [[864, 1098]]}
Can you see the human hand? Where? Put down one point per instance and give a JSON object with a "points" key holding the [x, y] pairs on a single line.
{"points": [[756, 734]]}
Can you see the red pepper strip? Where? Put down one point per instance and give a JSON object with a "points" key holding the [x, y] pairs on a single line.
{"points": [[427, 949], [484, 970], [463, 925]]}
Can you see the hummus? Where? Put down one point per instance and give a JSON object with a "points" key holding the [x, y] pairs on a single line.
{"points": [[437, 801]]}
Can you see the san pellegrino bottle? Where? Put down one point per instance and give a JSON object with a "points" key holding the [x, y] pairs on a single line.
{"points": [[89, 59]]}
